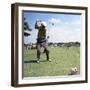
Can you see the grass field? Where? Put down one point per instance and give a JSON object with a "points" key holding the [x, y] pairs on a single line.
{"points": [[63, 59]]}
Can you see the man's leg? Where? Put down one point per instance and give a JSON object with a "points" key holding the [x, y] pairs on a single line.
{"points": [[44, 51], [47, 54], [45, 45], [38, 53]]}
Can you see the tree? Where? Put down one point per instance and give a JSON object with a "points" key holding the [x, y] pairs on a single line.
{"points": [[27, 29]]}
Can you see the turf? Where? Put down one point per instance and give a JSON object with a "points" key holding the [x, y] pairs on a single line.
{"points": [[62, 60]]}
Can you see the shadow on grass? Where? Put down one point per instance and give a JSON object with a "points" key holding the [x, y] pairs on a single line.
{"points": [[31, 61], [34, 61], [44, 61]]}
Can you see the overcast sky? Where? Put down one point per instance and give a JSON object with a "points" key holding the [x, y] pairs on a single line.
{"points": [[66, 28]]}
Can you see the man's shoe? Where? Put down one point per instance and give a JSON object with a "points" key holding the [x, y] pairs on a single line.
{"points": [[49, 60], [38, 61]]}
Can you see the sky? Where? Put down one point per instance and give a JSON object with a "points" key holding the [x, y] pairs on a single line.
{"points": [[66, 28]]}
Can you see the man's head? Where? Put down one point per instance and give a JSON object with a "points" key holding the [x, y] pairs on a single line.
{"points": [[37, 24], [40, 23]]}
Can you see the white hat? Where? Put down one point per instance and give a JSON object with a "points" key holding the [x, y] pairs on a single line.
{"points": [[44, 23]]}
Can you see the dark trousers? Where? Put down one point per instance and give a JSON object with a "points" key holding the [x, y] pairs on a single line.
{"points": [[45, 46]]}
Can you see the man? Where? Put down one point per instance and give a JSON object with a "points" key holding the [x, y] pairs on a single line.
{"points": [[41, 39]]}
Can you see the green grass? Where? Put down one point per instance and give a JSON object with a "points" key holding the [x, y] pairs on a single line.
{"points": [[63, 59]]}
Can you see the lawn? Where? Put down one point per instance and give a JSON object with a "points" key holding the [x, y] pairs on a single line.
{"points": [[63, 59]]}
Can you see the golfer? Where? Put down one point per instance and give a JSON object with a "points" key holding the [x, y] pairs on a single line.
{"points": [[41, 39]]}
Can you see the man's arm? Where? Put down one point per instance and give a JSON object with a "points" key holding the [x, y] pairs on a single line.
{"points": [[46, 28], [36, 27]]}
